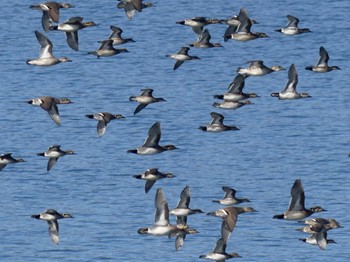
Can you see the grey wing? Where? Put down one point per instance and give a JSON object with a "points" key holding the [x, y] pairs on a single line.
{"points": [[51, 163], [101, 127], [237, 84], [217, 119], [162, 209], [225, 231], [177, 64], [183, 50], [321, 239], [230, 192], [139, 108], [54, 231], [297, 201], [184, 198], [293, 21], [220, 246], [72, 40], [229, 31], [46, 45], [46, 21], [180, 240], [324, 57], [292, 79], [153, 135], [129, 10], [54, 114], [2, 166], [149, 184]]}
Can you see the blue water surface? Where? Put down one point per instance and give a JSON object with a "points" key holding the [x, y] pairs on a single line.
{"points": [[278, 141]]}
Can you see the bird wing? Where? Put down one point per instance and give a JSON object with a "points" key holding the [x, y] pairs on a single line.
{"points": [[184, 198], [51, 163], [178, 63], [46, 45], [73, 40], [139, 108], [162, 209], [237, 84], [217, 119], [324, 57], [54, 114], [292, 80], [54, 231], [153, 137], [101, 127], [149, 184], [297, 201]]}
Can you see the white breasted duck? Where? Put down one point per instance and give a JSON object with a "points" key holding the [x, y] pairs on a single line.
{"points": [[103, 119], [151, 145], [181, 56], [51, 216], [46, 57], [54, 153], [217, 124], [6, 159], [292, 27], [296, 209], [322, 64], [71, 27], [289, 91], [145, 98], [151, 175]]}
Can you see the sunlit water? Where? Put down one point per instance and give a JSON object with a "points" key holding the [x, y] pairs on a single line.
{"points": [[278, 141]]}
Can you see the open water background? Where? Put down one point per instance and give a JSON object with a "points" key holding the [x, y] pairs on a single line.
{"points": [[278, 141]]}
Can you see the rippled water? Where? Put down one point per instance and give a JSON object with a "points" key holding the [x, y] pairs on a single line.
{"points": [[278, 141]]}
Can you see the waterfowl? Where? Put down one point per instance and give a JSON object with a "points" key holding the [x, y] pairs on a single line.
{"points": [[51, 12], [204, 41], [6, 159], [103, 119], [145, 98], [313, 225], [182, 208], [151, 175], [197, 23], [232, 104], [321, 240], [235, 90], [130, 6], [151, 145], [161, 226], [49, 104], [217, 124], [107, 49], [229, 215], [230, 197], [116, 36], [183, 230], [289, 91], [51, 216], [292, 27], [330, 222], [322, 64], [219, 252], [243, 32], [296, 209], [257, 68], [46, 57], [54, 153], [181, 56], [233, 24], [71, 27]]}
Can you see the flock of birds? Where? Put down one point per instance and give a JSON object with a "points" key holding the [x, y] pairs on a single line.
{"points": [[239, 29]]}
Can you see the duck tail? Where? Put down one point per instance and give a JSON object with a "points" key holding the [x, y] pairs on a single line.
{"points": [[281, 216]]}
